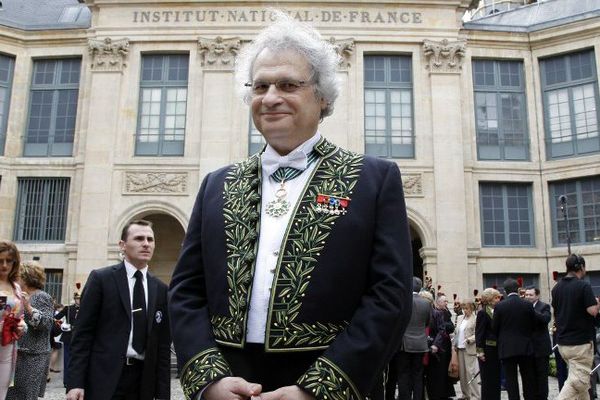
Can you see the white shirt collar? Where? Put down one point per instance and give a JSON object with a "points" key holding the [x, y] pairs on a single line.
{"points": [[297, 158], [130, 269]]}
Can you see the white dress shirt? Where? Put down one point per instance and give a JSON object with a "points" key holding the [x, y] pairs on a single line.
{"points": [[270, 239], [130, 269]]}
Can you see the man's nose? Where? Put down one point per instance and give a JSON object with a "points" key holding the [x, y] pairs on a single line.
{"points": [[273, 96]]}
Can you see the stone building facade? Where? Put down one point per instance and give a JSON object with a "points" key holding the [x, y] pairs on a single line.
{"points": [[114, 110]]}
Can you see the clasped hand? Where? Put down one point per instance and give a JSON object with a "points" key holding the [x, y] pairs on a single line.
{"points": [[239, 389]]}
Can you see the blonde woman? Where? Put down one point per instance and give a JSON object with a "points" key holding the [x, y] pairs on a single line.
{"points": [[34, 347], [464, 343], [10, 292]]}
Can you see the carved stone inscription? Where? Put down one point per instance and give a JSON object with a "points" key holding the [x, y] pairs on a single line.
{"points": [[244, 15], [156, 182]]}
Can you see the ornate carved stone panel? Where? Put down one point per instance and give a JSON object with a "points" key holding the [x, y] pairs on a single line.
{"points": [[108, 54], [218, 53], [155, 182], [345, 49], [444, 56], [412, 185]]}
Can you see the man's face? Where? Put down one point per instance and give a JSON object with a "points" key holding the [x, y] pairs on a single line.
{"points": [[286, 120], [138, 247], [531, 296]]}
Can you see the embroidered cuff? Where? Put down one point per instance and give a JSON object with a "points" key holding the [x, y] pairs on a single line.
{"points": [[201, 370], [325, 381]]}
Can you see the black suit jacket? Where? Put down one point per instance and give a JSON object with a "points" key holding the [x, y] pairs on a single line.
{"points": [[541, 338], [100, 338], [513, 324], [70, 312], [342, 283]]}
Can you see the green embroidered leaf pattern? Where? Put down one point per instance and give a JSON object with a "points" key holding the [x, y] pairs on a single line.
{"points": [[326, 382], [337, 175], [204, 368], [241, 208]]}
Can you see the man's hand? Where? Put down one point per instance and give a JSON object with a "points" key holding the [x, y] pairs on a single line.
{"points": [[287, 393], [434, 349], [231, 388], [481, 357], [75, 394]]}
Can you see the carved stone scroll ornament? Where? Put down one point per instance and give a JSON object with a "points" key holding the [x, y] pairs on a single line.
{"points": [[218, 53], [345, 49], [444, 56], [412, 185], [108, 54], [156, 182]]}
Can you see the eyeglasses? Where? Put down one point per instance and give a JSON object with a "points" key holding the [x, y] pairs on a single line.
{"points": [[284, 85]]}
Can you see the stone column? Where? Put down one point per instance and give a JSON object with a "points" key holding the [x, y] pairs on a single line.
{"points": [[445, 67], [218, 94], [97, 146]]}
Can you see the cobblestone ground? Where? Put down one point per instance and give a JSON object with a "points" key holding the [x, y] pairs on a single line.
{"points": [[55, 390]]}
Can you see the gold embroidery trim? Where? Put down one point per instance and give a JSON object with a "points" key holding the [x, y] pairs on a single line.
{"points": [[202, 369], [325, 381]]}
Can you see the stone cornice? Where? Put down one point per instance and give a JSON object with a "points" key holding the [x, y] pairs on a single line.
{"points": [[345, 49]]}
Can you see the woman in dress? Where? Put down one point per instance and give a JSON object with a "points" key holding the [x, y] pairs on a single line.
{"points": [[34, 347], [464, 343], [487, 350], [10, 294]]}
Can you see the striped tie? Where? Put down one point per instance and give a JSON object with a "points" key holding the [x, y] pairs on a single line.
{"points": [[288, 173]]}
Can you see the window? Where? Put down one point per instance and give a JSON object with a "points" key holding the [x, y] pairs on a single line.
{"points": [[7, 65], [583, 210], [256, 140], [53, 107], [54, 278], [389, 130], [594, 278], [506, 214], [500, 112], [41, 213], [497, 280], [570, 104], [163, 103]]}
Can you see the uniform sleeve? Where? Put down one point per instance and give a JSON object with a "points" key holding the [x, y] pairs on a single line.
{"points": [[198, 357], [355, 360], [85, 331], [41, 316]]}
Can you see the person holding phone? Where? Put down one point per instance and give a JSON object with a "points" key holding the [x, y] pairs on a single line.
{"points": [[10, 305]]}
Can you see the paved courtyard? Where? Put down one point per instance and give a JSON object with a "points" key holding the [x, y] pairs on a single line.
{"points": [[55, 390]]}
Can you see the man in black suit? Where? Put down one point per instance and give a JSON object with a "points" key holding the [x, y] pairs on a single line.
{"points": [[121, 344], [542, 347], [70, 314], [513, 324]]}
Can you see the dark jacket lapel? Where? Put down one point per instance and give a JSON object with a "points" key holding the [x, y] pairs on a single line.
{"points": [[120, 275], [152, 292]]}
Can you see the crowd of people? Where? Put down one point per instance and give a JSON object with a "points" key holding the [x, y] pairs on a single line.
{"points": [[496, 335]]}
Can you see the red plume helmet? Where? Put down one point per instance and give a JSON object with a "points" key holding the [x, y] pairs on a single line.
{"points": [[439, 287], [495, 286], [520, 281], [475, 292], [555, 275], [78, 285]]}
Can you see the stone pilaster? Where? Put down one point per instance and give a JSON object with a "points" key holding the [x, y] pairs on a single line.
{"points": [[101, 137], [444, 65]]}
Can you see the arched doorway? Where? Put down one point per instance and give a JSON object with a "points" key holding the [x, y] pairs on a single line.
{"points": [[168, 234], [416, 243]]}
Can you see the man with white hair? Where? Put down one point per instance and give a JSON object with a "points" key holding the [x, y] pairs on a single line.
{"points": [[294, 279]]}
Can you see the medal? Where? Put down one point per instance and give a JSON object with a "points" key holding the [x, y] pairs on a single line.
{"points": [[332, 205], [280, 206]]}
